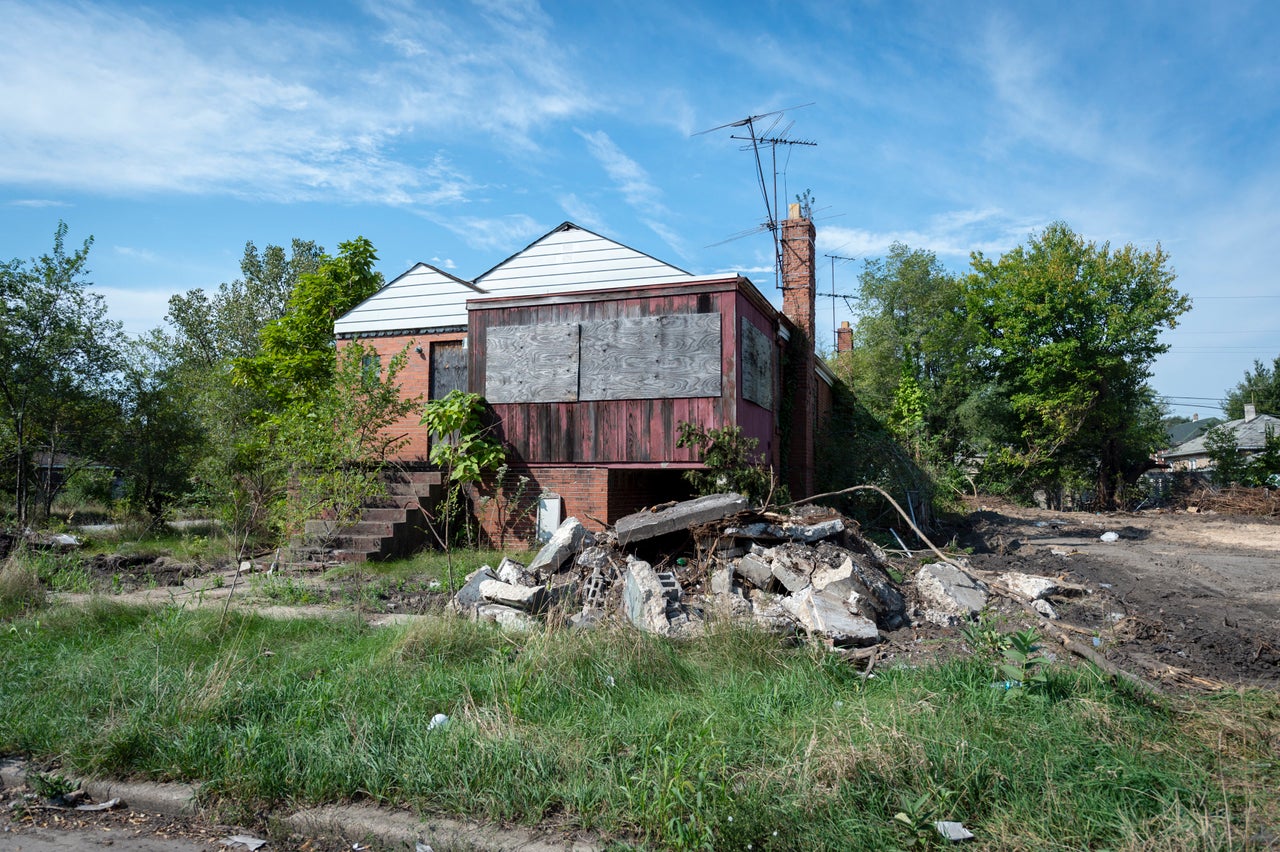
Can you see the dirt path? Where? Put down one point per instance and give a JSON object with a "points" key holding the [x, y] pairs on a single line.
{"points": [[1198, 593]]}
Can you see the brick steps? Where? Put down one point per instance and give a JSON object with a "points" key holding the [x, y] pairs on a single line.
{"points": [[389, 526]]}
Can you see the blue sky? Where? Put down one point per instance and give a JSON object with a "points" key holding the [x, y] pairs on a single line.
{"points": [[456, 133]]}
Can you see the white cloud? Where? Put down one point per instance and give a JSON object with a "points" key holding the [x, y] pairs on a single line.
{"points": [[286, 110], [952, 235], [36, 203], [144, 255], [582, 213], [504, 233], [138, 311]]}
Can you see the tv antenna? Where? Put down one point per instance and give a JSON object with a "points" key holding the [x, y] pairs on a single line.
{"points": [[758, 138], [833, 295]]}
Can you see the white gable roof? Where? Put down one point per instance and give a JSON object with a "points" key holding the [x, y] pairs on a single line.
{"points": [[569, 259], [422, 298], [572, 259]]}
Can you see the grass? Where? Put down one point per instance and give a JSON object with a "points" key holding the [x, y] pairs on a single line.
{"points": [[728, 742]]}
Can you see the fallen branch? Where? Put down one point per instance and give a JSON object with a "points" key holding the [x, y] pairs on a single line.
{"points": [[892, 502]]}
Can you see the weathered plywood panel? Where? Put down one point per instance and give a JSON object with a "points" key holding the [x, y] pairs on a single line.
{"points": [[756, 364], [662, 357], [532, 363]]}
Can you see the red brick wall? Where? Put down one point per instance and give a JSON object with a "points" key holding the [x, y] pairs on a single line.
{"points": [[596, 496], [414, 380]]}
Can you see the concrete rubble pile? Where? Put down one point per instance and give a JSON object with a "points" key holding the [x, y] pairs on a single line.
{"points": [[668, 570]]}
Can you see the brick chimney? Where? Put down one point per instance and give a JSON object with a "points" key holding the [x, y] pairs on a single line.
{"points": [[799, 289], [844, 338], [1250, 412], [799, 304]]}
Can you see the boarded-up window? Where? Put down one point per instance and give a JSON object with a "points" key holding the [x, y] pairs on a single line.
{"points": [[663, 357], [532, 363], [448, 369], [756, 355]]}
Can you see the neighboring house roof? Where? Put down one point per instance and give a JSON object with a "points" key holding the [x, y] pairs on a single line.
{"points": [[572, 259], [1250, 435], [1180, 433], [422, 298]]}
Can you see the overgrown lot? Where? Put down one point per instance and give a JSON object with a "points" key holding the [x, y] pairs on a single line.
{"points": [[732, 741]]}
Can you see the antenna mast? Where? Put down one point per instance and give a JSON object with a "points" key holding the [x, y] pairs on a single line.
{"points": [[771, 137], [833, 295]]}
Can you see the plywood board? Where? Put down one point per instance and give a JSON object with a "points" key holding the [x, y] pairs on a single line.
{"points": [[756, 364], [532, 363], [664, 357]]}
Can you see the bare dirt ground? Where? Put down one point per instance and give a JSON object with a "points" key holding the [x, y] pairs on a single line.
{"points": [[1177, 594]]}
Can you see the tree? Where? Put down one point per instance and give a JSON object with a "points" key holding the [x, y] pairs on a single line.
{"points": [[57, 351], [911, 350], [1070, 328], [295, 362], [1261, 386], [211, 330], [158, 440], [335, 449]]}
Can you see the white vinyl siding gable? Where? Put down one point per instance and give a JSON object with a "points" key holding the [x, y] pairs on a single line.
{"points": [[422, 298], [570, 260]]}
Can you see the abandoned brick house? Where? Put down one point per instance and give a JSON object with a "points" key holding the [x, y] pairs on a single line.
{"points": [[591, 354]]}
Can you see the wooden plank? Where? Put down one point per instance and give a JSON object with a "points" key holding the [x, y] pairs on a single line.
{"points": [[756, 360], [660, 357], [532, 363]]}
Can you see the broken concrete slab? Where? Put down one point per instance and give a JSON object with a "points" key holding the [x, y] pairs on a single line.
{"points": [[596, 558], [1028, 587], [810, 533], [527, 598], [506, 617], [789, 574], [645, 599], [822, 616], [569, 538], [949, 595], [1044, 608], [511, 571], [722, 580], [468, 597], [755, 569], [643, 526]]}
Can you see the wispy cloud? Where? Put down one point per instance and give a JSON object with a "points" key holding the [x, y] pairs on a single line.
{"points": [[504, 233], [953, 235], [285, 110], [639, 191], [582, 212], [144, 255], [36, 203]]}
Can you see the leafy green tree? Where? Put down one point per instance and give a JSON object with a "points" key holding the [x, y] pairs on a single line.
{"points": [[208, 330], [1261, 386], [1224, 452], [57, 352], [463, 447], [333, 451], [296, 360], [732, 463], [1070, 328], [158, 440], [911, 350]]}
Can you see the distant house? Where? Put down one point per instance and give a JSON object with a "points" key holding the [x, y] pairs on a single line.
{"points": [[1250, 433], [591, 354]]}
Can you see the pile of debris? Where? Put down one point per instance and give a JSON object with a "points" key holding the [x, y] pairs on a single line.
{"points": [[668, 570]]}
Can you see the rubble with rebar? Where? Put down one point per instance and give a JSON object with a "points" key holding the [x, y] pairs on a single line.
{"points": [[672, 569]]}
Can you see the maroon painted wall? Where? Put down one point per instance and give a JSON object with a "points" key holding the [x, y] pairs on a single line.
{"points": [[613, 432]]}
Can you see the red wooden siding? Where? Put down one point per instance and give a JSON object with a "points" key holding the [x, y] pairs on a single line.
{"points": [[630, 431]]}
